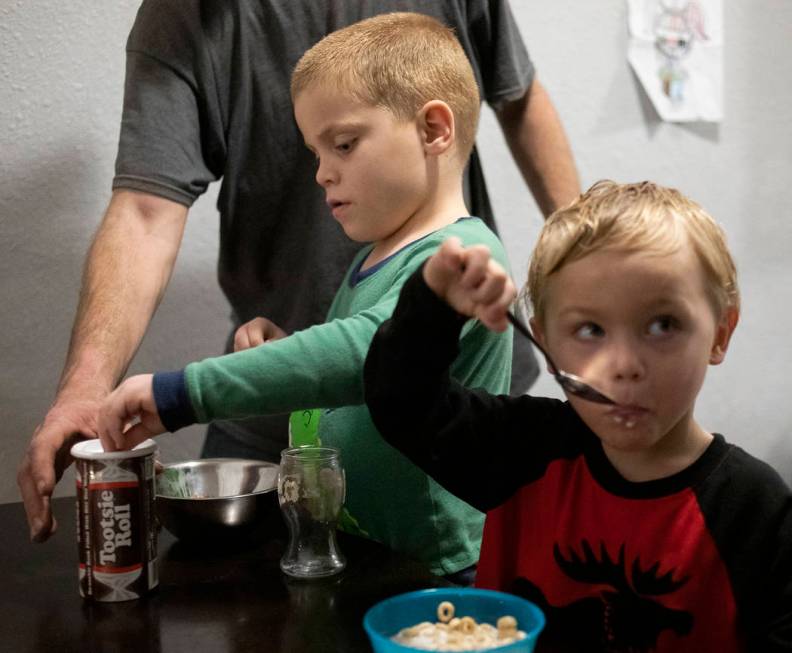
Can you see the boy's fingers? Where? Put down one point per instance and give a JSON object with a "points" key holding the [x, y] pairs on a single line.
{"points": [[241, 339], [109, 432], [136, 434], [476, 260], [255, 338], [490, 289], [493, 318], [107, 441], [451, 246], [113, 418], [444, 266], [450, 256], [493, 299]]}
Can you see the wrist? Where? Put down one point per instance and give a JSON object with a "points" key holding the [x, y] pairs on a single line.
{"points": [[88, 375], [172, 400]]}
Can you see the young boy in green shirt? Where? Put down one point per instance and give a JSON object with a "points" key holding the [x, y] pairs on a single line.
{"points": [[390, 108]]}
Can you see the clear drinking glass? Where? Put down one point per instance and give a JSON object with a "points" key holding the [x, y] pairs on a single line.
{"points": [[311, 490]]}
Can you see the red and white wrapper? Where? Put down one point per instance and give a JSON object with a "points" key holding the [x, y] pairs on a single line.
{"points": [[116, 521]]}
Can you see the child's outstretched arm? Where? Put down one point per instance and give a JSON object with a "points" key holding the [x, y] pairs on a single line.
{"points": [[131, 402], [471, 282]]}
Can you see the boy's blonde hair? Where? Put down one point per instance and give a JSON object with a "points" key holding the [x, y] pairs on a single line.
{"points": [[632, 217], [399, 61]]}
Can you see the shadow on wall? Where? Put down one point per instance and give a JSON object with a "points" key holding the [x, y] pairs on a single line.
{"points": [[50, 207]]}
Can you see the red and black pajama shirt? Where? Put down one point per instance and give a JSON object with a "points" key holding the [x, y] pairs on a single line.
{"points": [[698, 561]]}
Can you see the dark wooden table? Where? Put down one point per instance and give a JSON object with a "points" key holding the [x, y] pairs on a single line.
{"points": [[207, 601]]}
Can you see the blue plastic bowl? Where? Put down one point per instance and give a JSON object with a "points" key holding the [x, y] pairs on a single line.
{"points": [[388, 617]]}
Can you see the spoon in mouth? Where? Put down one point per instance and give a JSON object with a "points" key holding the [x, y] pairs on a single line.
{"points": [[574, 385]]}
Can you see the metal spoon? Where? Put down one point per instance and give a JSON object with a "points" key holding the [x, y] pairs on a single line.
{"points": [[574, 385]]}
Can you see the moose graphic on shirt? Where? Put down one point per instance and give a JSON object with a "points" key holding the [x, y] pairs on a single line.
{"points": [[627, 614]]}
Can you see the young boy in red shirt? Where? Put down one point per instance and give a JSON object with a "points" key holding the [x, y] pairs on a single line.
{"points": [[630, 525]]}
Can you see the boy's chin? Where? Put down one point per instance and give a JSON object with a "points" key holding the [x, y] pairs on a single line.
{"points": [[625, 438], [356, 235]]}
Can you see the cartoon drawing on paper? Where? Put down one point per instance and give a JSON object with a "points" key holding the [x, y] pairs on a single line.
{"points": [[675, 49], [676, 27]]}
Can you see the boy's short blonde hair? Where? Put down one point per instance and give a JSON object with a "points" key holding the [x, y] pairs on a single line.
{"points": [[632, 217], [399, 61]]}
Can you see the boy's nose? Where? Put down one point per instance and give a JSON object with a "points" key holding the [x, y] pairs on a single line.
{"points": [[325, 175], [625, 361]]}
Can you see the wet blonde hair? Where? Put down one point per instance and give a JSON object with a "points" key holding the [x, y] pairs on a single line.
{"points": [[632, 217], [399, 61]]}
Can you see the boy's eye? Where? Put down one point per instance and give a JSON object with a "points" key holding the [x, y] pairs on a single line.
{"points": [[345, 145], [662, 325], [588, 331]]}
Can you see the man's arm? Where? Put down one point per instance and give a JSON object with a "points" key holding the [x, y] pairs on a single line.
{"points": [[127, 270], [540, 148]]}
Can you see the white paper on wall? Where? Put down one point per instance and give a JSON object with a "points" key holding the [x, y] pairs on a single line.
{"points": [[676, 50]]}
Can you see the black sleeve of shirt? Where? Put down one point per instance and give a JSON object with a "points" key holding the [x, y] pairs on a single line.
{"points": [[480, 447], [748, 509]]}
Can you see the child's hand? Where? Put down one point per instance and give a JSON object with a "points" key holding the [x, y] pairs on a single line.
{"points": [[257, 332], [132, 401], [471, 282]]}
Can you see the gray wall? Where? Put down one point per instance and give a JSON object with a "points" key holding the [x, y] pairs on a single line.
{"points": [[61, 75]]}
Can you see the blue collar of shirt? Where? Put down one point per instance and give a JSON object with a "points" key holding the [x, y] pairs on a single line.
{"points": [[356, 276]]}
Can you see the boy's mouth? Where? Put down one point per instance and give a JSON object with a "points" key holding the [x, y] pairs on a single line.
{"points": [[335, 206], [627, 415]]}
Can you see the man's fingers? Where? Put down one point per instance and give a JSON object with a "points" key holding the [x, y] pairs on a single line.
{"points": [[37, 508], [41, 458], [36, 481]]}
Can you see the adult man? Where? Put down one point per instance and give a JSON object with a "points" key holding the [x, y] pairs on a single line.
{"points": [[207, 98]]}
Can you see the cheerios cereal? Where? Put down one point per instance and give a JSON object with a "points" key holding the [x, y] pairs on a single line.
{"points": [[452, 633], [445, 611]]}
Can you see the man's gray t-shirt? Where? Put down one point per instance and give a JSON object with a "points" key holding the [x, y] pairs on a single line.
{"points": [[207, 98]]}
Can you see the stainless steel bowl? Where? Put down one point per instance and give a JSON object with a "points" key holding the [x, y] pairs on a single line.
{"points": [[226, 500]]}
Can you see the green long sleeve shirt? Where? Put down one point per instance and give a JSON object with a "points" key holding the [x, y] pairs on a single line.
{"points": [[390, 499]]}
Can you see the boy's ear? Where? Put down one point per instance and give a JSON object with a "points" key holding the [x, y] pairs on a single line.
{"points": [[437, 127], [723, 333]]}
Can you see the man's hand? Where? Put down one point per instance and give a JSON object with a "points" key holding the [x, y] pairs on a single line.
{"points": [[256, 332], [48, 455], [126, 271], [133, 403], [471, 282]]}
